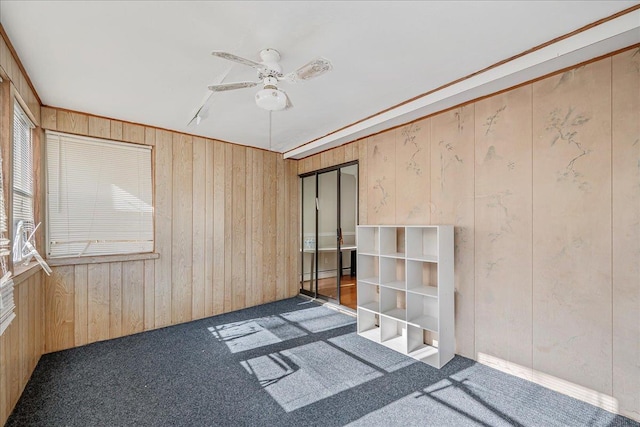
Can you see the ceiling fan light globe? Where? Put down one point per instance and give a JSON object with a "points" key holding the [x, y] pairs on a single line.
{"points": [[271, 99]]}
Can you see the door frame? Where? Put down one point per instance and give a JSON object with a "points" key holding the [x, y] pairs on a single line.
{"points": [[314, 293]]}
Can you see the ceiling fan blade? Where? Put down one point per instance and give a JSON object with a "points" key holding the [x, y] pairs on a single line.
{"points": [[201, 110], [310, 70], [197, 114], [289, 104], [231, 86], [231, 57], [194, 117]]}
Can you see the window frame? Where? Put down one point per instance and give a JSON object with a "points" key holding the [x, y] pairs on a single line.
{"points": [[19, 113], [90, 257]]}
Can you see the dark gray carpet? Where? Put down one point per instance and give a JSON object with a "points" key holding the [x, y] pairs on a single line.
{"points": [[289, 363]]}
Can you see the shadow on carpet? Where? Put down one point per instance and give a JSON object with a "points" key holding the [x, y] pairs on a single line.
{"points": [[288, 363]]}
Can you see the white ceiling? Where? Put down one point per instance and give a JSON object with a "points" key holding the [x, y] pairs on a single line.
{"points": [[149, 62]]}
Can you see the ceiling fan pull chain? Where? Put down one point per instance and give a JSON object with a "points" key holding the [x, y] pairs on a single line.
{"points": [[270, 129]]}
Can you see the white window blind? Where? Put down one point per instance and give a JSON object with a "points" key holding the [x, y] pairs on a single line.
{"points": [[7, 304], [23, 219], [99, 197]]}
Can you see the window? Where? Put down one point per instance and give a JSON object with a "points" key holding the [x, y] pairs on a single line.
{"points": [[99, 197], [23, 225], [7, 304]]}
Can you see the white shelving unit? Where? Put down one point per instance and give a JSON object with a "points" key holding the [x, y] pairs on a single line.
{"points": [[406, 291]]}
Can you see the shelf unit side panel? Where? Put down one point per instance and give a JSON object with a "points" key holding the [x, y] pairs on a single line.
{"points": [[446, 293]]}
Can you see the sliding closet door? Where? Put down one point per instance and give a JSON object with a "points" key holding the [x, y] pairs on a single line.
{"points": [[329, 218], [348, 220], [328, 229], [309, 242]]}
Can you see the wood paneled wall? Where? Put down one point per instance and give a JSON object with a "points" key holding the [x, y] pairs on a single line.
{"points": [[22, 343], [10, 70], [542, 183], [225, 230]]}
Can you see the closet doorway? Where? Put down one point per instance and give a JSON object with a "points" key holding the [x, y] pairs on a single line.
{"points": [[329, 218]]}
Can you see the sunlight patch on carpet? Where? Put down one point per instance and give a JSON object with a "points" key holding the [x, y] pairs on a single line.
{"points": [[319, 319], [372, 353], [306, 374], [255, 333]]}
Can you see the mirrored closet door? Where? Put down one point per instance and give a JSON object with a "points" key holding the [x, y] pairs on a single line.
{"points": [[328, 246]]}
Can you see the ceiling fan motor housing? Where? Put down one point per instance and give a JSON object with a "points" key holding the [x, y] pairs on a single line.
{"points": [[270, 58], [270, 83]]}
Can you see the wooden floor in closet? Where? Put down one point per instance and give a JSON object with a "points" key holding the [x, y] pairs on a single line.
{"points": [[327, 288]]}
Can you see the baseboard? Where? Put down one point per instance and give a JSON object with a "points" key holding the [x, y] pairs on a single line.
{"points": [[595, 398]]}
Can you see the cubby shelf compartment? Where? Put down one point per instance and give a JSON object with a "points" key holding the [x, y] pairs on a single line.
{"points": [[422, 278], [422, 345], [368, 269], [406, 290], [393, 303], [392, 242], [422, 311], [393, 334], [369, 325], [369, 297], [392, 273], [429, 291], [422, 243], [368, 240]]}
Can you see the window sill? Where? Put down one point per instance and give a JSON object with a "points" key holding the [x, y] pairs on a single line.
{"points": [[55, 262], [23, 272]]}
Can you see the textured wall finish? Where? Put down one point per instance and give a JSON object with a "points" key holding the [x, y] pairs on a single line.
{"points": [[625, 104], [503, 233], [543, 185], [572, 226]]}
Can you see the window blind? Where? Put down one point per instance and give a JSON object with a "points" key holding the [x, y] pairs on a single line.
{"points": [[22, 207], [21, 132], [7, 304], [99, 196]]}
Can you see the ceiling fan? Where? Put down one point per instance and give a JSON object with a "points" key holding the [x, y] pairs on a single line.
{"points": [[270, 97]]}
